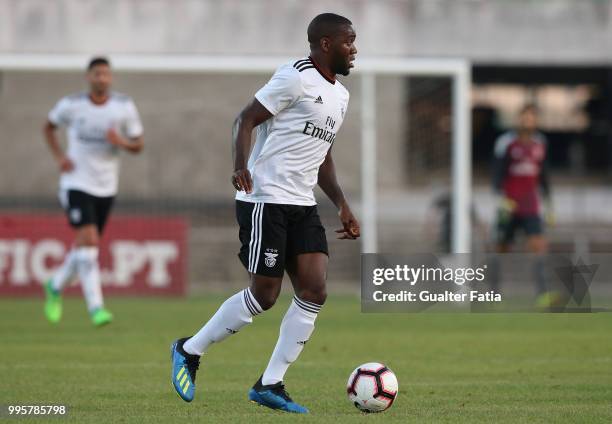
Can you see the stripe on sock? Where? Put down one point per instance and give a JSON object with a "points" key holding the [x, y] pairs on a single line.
{"points": [[247, 302], [251, 303], [307, 306]]}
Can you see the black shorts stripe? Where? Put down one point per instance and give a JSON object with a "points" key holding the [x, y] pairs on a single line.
{"points": [[255, 244]]}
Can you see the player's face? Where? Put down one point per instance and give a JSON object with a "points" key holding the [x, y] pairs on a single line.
{"points": [[528, 120], [100, 78], [343, 50]]}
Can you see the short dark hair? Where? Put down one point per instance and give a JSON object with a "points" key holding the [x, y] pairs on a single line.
{"points": [[325, 25], [98, 60]]}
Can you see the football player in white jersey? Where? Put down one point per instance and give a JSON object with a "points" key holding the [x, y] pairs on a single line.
{"points": [[99, 124], [297, 115]]}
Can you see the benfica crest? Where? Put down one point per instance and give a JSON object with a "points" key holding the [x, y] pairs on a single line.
{"points": [[270, 259]]}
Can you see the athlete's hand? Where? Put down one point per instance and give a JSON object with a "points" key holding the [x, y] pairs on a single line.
{"points": [[115, 139], [350, 226], [549, 213], [65, 164], [242, 181], [506, 205], [505, 208]]}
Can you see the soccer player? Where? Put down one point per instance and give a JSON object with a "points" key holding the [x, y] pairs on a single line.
{"points": [[520, 175], [297, 115], [99, 124]]}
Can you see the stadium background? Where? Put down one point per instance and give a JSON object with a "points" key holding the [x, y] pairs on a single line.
{"points": [[454, 367], [556, 54]]}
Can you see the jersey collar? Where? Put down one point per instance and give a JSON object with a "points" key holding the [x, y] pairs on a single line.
{"points": [[328, 79]]}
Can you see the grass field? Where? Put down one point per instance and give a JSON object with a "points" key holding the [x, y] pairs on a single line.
{"points": [[451, 367]]}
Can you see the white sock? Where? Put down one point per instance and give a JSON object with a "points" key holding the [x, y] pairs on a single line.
{"points": [[89, 273], [232, 315], [295, 330], [66, 272]]}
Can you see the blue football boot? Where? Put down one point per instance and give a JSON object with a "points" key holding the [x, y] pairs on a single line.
{"points": [[275, 396], [184, 368]]}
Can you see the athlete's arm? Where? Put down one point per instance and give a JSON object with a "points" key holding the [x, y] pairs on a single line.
{"points": [[329, 184], [132, 145], [250, 117], [549, 213], [500, 170], [544, 181], [63, 161]]}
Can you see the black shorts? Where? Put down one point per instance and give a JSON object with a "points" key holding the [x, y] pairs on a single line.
{"points": [[84, 209], [271, 234], [506, 229]]}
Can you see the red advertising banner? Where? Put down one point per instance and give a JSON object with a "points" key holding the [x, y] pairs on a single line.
{"points": [[139, 255]]}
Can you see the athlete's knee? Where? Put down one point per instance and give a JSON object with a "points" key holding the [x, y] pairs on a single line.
{"points": [[537, 244], [316, 294], [87, 257], [265, 290], [87, 236], [266, 300]]}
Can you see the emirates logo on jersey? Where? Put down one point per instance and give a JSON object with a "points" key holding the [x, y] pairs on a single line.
{"points": [[320, 133]]}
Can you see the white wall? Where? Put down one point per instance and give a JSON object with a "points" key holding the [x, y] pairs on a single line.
{"points": [[569, 31]]}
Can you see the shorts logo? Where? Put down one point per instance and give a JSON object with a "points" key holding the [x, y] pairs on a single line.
{"points": [[75, 215], [270, 259]]}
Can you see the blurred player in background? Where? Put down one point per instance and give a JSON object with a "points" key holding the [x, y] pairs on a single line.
{"points": [[520, 181], [297, 114], [99, 124]]}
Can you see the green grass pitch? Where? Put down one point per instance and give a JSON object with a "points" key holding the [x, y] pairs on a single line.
{"points": [[451, 368]]}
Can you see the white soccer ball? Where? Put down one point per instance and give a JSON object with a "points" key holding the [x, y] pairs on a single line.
{"points": [[372, 387]]}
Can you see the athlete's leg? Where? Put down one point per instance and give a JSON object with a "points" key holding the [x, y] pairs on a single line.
{"points": [[503, 244], [538, 245], [261, 226], [308, 273], [88, 267], [235, 313], [79, 208], [81, 260]]}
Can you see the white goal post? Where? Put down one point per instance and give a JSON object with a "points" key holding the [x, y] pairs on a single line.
{"points": [[458, 70]]}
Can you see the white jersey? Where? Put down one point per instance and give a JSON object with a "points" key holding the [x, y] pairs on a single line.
{"points": [[290, 147], [96, 161]]}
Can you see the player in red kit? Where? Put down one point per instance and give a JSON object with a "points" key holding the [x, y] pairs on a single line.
{"points": [[521, 182]]}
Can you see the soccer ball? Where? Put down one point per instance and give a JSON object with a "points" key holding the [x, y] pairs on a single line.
{"points": [[372, 387]]}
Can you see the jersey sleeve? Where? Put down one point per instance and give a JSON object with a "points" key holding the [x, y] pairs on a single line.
{"points": [[133, 125], [501, 161], [544, 178], [283, 90], [61, 114]]}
